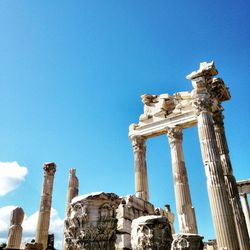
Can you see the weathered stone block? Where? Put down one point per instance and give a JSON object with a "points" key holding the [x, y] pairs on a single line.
{"points": [[124, 225], [151, 232], [124, 211], [123, 241], [187, 241], [92, 222]]}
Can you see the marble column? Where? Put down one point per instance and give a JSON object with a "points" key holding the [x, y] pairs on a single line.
{"points": [[246, 211], [73, 188], [185, 211], [15, 230], [141, 178], [231, 185], [219, 202], [45, 204]]}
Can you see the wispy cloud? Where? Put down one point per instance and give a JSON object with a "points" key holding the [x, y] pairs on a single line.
{"points": [[11, 176], [29, 225]]}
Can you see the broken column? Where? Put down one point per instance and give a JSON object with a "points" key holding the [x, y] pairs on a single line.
{"points": [[72, 192], [73, 187], [141, 178], [170, 216], [45, 204], [219, 201], [15, 230], [231, 185], [185, 211]]}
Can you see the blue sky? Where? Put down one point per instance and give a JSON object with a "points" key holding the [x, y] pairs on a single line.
{"points": [[71, 77]]}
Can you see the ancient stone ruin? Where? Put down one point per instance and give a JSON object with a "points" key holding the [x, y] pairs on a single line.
{"points": [[169, 115], [15, 230], [107, 221]]}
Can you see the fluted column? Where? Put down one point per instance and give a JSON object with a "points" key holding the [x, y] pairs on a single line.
{"points": [[15, 230], [45, 204], [141, 178], [246, 211], [185, 211], [231, 185], [218, 196], [73, 187]]}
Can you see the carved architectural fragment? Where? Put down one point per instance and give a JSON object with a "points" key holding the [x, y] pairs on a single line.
{"points": [[92, 222], [33, 246], [15, 230], [187, 242], [129, 209], [151, 232]]}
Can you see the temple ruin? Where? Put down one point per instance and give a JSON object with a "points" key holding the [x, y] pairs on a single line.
{"points": [[108, 221]]}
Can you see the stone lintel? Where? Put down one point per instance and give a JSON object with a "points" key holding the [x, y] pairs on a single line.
{"points": [[244, 186], [153, 129]]}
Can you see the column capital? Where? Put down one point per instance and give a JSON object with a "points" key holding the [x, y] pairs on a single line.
{"points": [[138, 142], [202, 103], [49, 168], [174, 133], [218, 117]]}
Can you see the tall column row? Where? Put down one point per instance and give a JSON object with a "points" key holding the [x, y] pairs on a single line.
{"points": [[186, 213]]}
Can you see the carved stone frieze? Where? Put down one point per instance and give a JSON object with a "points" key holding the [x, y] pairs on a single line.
{"points": [[187, 242], [92, 222], [151, 232], [156, 106]]}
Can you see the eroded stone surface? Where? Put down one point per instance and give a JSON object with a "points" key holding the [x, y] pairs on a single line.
{"points": [[92, 222], [187, 242], [15, 230], [43, 222], [151, 232]]}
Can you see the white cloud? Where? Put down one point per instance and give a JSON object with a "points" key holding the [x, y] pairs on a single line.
{"points": [[11, 175], [29, 225]]}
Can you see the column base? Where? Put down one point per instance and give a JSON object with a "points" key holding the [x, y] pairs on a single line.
{"points": [[187, 241]]}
